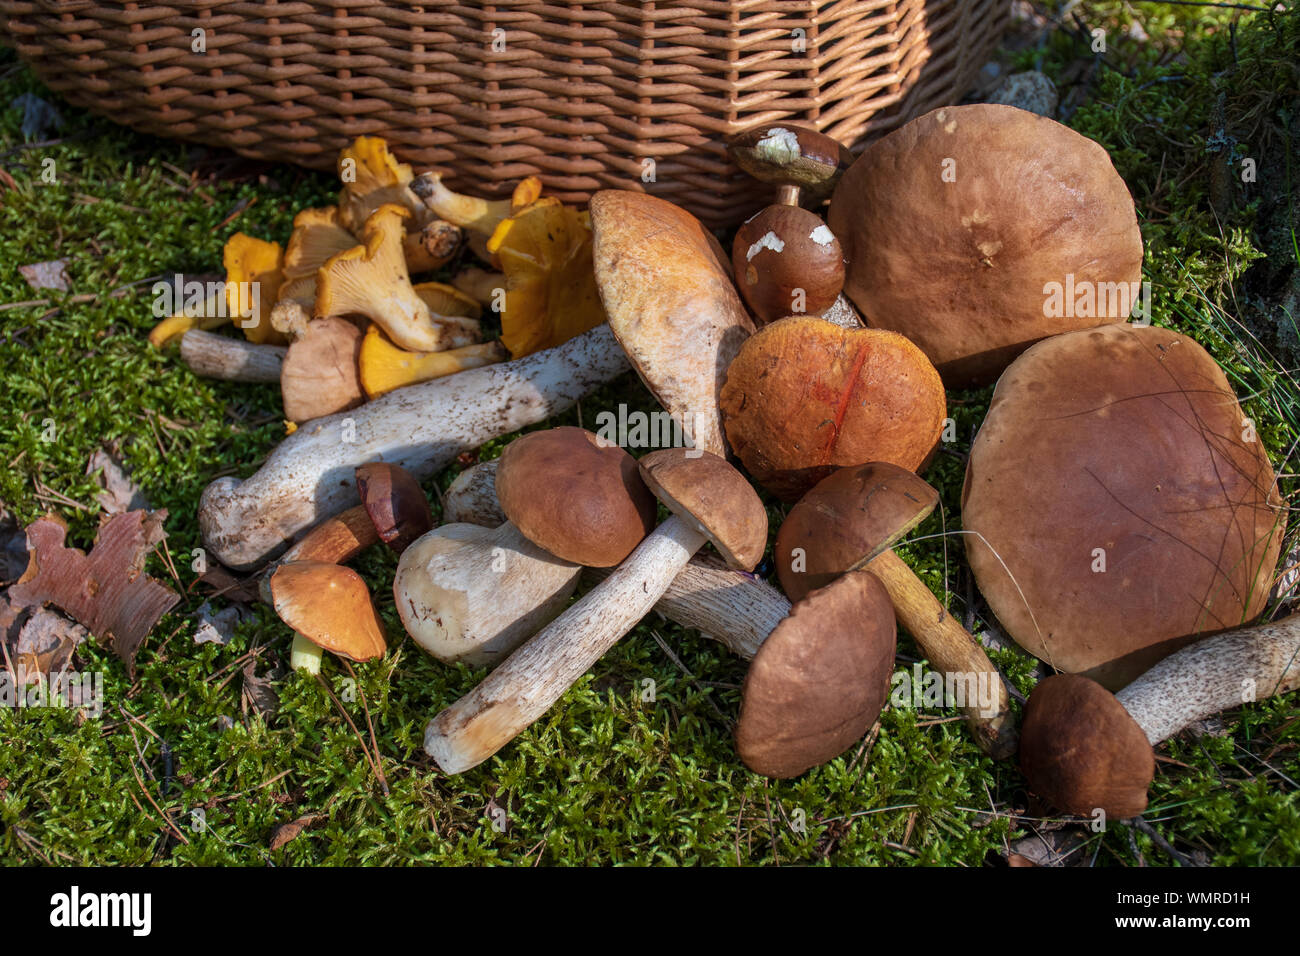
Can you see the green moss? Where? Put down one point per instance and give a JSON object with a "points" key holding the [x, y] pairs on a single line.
{"points": [[607, 776]]}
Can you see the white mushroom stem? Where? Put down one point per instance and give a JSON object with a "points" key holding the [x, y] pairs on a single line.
{"points": [[421, 427], [472, 497], [231, 359], [736, 609], [1215, 674], [535, 676]]}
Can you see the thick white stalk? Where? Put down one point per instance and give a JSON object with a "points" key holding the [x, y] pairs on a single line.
{"points": [[421, 427], [1215, 674], [538, 673]]}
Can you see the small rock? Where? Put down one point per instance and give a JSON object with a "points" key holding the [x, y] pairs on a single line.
{"points": [[1030, 91]]}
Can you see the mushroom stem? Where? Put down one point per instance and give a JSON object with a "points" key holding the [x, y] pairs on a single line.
{"points": [[470, 212], [422, 428], [304, 655], [535, 676], [736, 609], [232, 360], [952, 650], [1215, 674]]}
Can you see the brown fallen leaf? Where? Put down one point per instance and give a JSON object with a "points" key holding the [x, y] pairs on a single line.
{"points": [[1049, 847], [287, 832], [106, 591], [217, 627], [45, 645], [47, 275], [259, 693], [120, 492]]}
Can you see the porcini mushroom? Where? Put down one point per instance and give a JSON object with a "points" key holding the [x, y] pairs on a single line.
{"points": [[577, 497], [1083, 749], [710, 501], [956, 226], [818, 682], [422, 428], [785, 259], [851, 520], [1118, 503], [805, 396], [372, 280], [319, 376]]}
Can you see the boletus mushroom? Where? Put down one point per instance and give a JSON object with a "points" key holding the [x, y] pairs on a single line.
{"points": [[956, 226], [1084, 749], [785, 258], [1118, 503], [851, 520], [819, 681], [805, 396]]}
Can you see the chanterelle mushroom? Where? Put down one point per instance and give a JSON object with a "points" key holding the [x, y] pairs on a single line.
{"points": [[253, 280], [956, 225], [1118, 502], [372, 280]]}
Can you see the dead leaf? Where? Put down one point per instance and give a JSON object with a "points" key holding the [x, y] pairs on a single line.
{"points": [[120, 492], [259, 694], [107, 591], [39, 116], [13, 548], [226, 585], [287, 832], [7, 181], [45, 645], [47, 275], [1059, 847], [217, 627]]}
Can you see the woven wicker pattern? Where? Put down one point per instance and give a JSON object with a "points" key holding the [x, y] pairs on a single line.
{"points": [[583, 94]]}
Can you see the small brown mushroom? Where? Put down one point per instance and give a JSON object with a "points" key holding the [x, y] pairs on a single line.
{"points": [[819, 681], [319, 376], [851, 520], [1083, 749], [395, 503], [804, 397], [785, 258], [577, 497], [330, 606]]}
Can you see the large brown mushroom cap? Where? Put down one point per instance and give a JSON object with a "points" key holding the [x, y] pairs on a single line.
{"points": [[806, 396], [330, 606], [954, 225], [850, 517], [671, 304], [1081, 751], [818, 682], [1129, 440], [715, 498], [577, 497]]}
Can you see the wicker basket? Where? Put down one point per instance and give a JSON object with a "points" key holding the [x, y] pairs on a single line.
{"points": [[583, 94]]}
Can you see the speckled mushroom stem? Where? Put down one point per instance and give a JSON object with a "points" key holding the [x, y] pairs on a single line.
{"points": [[535, 676], [421, 427], [1215, 674], [951, 649], [734, 608]]}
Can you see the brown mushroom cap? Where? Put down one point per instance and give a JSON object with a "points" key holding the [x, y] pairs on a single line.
{"points": [[705, 490], [851, 516], [954, 225], [577, 497], [1081, 751], [395, 503], [818, 682], [806, 396], [330, 606], [786, 155], [787, 261], [671, 304], [1129, 440]]}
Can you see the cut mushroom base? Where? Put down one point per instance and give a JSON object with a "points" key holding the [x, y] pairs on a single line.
{"points": [[1083, 749]]}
